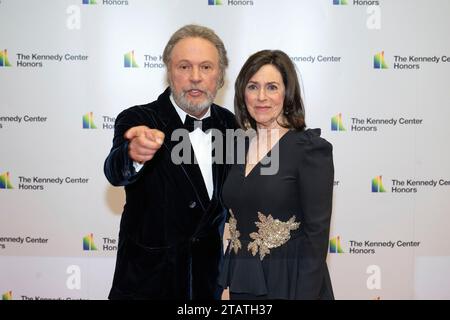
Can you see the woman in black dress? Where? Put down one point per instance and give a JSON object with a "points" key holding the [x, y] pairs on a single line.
{"points": [[280, 197]]}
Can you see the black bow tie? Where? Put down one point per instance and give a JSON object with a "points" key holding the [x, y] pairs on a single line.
{"points": [[191, 123]]}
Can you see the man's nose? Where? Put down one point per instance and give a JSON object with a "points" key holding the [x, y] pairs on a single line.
{"points": [[195, 75]]}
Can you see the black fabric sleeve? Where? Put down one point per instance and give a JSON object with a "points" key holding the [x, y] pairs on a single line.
{"points": [[316, 176]]}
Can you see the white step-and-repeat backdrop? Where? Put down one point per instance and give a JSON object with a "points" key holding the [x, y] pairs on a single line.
{"points": [[376, 80]]}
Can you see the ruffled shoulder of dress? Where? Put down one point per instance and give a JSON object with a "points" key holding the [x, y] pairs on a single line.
{"points": [[311, 139], [308, 135]]}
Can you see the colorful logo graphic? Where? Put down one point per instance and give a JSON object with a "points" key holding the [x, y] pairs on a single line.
{"points": [[378, 61], [215, 2], [4, 62], [129, 61], [89, 1], [5, 182], [340, 2], [377, 184], [335, 245], [7, 295], [88, 243], [336, 123], [88, 121]]}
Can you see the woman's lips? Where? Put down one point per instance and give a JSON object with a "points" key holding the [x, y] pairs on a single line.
{"points": [[262, 108]]}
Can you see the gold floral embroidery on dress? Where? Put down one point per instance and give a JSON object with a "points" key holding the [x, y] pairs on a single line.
{"points": [[234, 233], [272, 233]]}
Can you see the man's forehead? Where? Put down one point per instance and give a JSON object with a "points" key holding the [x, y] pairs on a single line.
{"points": [[195, 49]]}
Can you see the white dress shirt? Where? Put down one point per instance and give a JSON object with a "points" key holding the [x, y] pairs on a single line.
{"points": [[202, 145]]}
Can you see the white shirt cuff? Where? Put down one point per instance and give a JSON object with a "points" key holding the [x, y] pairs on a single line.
{"points": [[137, 166]]}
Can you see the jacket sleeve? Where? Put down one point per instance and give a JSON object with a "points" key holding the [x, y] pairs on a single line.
{"points": [[316, 179], [118, 166]]}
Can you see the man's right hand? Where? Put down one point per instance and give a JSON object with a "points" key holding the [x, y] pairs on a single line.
{"points": [[144, 143]]}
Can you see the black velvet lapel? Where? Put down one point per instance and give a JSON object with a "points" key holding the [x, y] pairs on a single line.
{"points": [[218, 165], [170, 121]]}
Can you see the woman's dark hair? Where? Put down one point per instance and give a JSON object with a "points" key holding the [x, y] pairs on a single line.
{"points": [[293, 108]]}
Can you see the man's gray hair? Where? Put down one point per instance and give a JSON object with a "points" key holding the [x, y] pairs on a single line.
{"points": [[196, 31]]}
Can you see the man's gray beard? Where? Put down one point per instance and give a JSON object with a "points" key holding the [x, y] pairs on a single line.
{"points": [[190, 107]]}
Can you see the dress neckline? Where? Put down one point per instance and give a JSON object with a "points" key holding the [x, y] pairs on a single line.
{"points": [[265, 156]]}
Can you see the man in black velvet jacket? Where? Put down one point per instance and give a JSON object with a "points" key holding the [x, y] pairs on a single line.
{"points": [[170, 239]]}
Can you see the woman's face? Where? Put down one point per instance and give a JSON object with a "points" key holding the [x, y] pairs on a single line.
{"points": [[264, 96]]}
